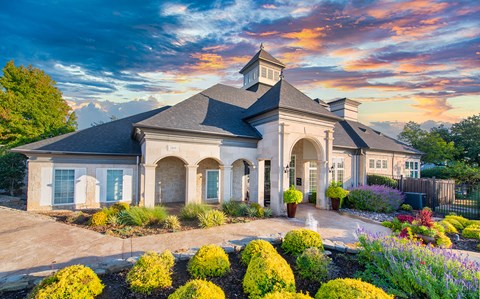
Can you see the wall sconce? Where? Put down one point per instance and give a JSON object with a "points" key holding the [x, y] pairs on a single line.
{"points": [[287, 169], [331, 168]]}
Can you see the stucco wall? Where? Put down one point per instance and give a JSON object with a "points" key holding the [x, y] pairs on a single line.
{"points": [[349, 180], [170, 180], [395, 162]]}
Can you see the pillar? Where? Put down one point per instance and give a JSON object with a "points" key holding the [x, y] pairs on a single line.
{"points": [[261, 182], [149, 190], [226, 183], [322, 184], [191, 184]]}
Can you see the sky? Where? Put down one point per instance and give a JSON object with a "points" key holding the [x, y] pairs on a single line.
{"points": [[413, 60]]}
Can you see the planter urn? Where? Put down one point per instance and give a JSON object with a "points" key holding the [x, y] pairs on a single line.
{"points": [[291, 210], [335, 203]]}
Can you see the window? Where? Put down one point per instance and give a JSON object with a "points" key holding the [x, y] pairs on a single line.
{"points": [[378, 164], [270, 74], [275, 75], [212, 184], [412, 169], [384, 164], [255, 74], [291, 170], [114, 185], [64, 186], [371, 163], [338, 170], [264, 72], [312, 177], [245, 80]]}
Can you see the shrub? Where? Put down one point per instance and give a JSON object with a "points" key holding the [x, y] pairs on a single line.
{"points": [[472, 232], [232, 208], [113, 220], [443, 241], [75, 281], [267, 212], [406, 218], [136, 216], [406, 207], [151, 271], [297, 240], [335, 190], [292, 195], [209, 261], [312, 198], [463, 221], [157, 214], [211, 218], [375, 198], [251, 212], [193, 210], [455, 223], [449, 228], [254, 247], [347, 288], [286, 295], [172, 222], [432, 272], [471, 222], [259, 211], [267, 273], [198, 289], [424, 217], [380, 180], [99, 219], [313, 264], [120, 206]]}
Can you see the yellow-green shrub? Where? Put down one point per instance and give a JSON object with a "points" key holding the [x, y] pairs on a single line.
{"points": [[297, 240], [99, 219], [172, 222], [286, 295], [443, 241], [76, 282], [347, 288], [198, 289], [120, 206], [266, 273], [472, 232], [151, 271], [463, 221], [455, 223], [313, 264], [210, 260], [473, 222], [449, 228], [192, 210], [211, 218], [254, 247]]}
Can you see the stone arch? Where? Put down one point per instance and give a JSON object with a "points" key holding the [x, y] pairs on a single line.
{"points": [[241, 169], [314, 141], [185, 162], [209, 180], [170, 180], [220, 163]]}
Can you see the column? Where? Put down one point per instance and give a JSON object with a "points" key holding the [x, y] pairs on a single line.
{"points": [[260, 182], [226, 183], [191, 184], [322, 184], [149, 190], [253, 188]]}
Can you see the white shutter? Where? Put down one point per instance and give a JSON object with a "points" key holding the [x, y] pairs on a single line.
{"points": [[127, 184], [101, 185], [46, 189], [80, 185]]}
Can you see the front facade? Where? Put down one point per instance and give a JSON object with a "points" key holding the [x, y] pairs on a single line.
{"points": [[225, 143]]}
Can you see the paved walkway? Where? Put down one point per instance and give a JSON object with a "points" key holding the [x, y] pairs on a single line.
{"points": [[31, 243]]}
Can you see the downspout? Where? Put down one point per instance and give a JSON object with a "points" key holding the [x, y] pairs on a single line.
{"points": [[137, 183]]}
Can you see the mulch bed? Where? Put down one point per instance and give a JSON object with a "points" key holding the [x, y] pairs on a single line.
{"points": [[344, 265], [464, 243]]}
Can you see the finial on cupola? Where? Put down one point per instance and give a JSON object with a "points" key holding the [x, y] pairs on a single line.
{"points": [[261, 46]]}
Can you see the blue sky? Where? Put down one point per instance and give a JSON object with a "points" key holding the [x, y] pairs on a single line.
{"points": [[404, 60]]}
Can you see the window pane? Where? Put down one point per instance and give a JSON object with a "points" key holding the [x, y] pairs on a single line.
{"points": [[212, 184], [270, 74], [340, 175], [312, 177], [379, 164], [64, 186], [292, 171], [264, 72], [114, 185], [275, 75], [371, 163], [384, 164]]}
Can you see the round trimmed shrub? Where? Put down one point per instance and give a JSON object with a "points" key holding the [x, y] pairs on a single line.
{"points": [[286, 295], [297, 240], [375, 179], [209, 261], [347, 288], [292, 195], [99, 219], [406, 207], [448, 227], [151, 271], [266, 273], [75, 281], [472, 232], [313, 264], [455, 223], [198, 289], [254, 247]]}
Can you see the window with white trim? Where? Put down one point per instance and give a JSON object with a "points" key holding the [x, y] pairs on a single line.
{"points": [[276, 75], [64, 186], [270, 74], [114, 184], [371, 163], [384, 164], [338, 170], [291, 171], [312, 177], [213, 180], [412, 169], [264, 72], [378, 164]]}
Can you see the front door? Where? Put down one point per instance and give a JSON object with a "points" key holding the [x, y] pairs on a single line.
{"points": [[213, 181]]}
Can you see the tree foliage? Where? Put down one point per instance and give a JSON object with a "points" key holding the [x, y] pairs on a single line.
{"points": [[12, 172], [459, 171], [466, 135]]}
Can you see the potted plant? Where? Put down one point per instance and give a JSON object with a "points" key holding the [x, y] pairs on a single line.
{"points": [[336, 194], [292, 197]]}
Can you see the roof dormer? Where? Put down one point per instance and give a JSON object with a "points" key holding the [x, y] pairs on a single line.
{"points": [[263, 68]]}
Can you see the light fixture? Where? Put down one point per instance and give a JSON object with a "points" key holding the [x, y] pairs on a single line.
{"points": [[332, 168], [287, 169]]}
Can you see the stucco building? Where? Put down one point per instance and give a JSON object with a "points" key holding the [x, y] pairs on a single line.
{"points": [[224, 143]]}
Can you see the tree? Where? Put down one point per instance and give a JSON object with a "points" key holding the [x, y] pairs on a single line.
{"points": [[466, 134], [31, 108], [436, 149]]}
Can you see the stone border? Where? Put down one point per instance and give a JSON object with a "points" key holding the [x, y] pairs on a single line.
{"points": [[24, 281]]}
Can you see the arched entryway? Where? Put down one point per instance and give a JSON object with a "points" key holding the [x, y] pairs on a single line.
{"points": [[208, 180], [170, 178], [241, 180], [303, 169]]}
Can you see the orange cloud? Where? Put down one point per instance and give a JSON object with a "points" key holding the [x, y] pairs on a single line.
{"points": [[309, 39], [365, 64], [424, 7], [268, 33], [433, 107]]}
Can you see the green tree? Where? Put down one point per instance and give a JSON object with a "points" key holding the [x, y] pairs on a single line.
{"points": [[436, 149], [31, 108], [466, 135]]}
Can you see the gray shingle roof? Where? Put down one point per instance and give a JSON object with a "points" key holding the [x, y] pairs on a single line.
{"points": [[112, 138], [353, 134], [284, 95], [217, 110], [262, 55]]}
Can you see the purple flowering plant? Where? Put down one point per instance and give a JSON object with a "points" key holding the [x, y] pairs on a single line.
{"points": [[376, 198]]}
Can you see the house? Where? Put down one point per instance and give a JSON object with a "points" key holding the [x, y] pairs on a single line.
{"points": [[224, 143]]}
